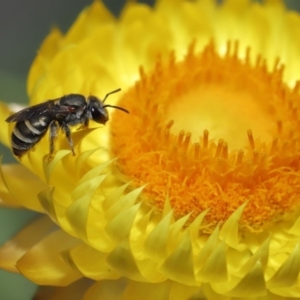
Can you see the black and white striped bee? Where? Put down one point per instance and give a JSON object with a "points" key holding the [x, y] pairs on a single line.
{"points": [[32, 123]]}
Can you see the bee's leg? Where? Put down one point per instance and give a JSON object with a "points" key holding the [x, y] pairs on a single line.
{"points": [[54, 127], [85, 124], [67, 132]]}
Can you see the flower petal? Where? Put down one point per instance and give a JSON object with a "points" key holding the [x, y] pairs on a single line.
{"points": [[261, 254], [181, 291], [215, 269], [49, 166], [120, 226], [74, 291], [91, 263], [252, 285], [229, 231], [16, 247], [287, 274], [15, 191], [135, 22], [179, 266], [156, 242], [89, 20], [43, 265], [54, 209], [39, 66], [5, 128], [106, 289], [147, 291], [122, 260], [78, 212]]}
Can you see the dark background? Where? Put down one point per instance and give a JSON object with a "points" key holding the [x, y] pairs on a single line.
{"points": [[23, 26]]}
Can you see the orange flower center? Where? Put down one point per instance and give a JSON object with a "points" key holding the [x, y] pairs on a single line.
{"points": [[212, 132]]}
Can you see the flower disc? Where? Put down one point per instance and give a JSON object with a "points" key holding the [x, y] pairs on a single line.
{"points": [[213, 132]]}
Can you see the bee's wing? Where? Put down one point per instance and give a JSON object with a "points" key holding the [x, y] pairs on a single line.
{"points": [[37, 110]]}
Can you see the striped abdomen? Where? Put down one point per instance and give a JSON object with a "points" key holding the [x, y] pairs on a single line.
{"points": [[27, 133]]}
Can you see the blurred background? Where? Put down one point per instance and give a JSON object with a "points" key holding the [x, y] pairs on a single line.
{"points": [[24, 25]]}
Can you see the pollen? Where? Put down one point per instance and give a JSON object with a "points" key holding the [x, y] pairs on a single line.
{"points": [[210, 133]]}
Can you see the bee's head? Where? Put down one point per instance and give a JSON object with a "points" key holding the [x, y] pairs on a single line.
{"points": [[97, 111], [97, 108]]}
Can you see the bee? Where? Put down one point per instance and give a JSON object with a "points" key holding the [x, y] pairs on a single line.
{"points": [[33, 122]]}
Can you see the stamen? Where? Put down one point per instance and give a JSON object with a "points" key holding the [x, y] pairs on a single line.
{"points": [[255, 157], [274, 146], [240, 156], [251, 139], [236, 49], [263, 158], [219, 147], [180, 137], [279, 127], [186, 141], [296, 87], [167, 131], [276, 64], [196, 147], [224, 153], [170, 124], [258, 61], [142, 73], [247, 57], [205, 139]]}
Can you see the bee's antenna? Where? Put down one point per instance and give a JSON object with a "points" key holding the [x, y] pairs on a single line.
{"points": [[112, 92], [117, 107]]}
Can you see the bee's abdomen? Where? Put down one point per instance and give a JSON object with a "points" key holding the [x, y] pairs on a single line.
{"points": [[26, 134]]}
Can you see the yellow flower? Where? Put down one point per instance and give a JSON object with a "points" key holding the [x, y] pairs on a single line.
{"points": [[195, 194]]}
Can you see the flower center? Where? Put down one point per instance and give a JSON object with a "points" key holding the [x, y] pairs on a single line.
{"points": [[227, 111], [212, 132]]}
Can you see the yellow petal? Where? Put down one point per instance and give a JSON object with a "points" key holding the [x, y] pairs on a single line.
{"points": [[262, 254], [122, 260], [252, 285], [182, 258], [106, 289], [180, 291], [78, 212], [5, 128], [89, 20], [15, 248], [208, 248], [287, 274], [135, 21], [120, 226], [91, 263], [230, 229], [147, 291], [74, 291], [156, 242], [215, 269], [39, 66], [20, 187], [49, 166], [54, 209], [42, 264]]}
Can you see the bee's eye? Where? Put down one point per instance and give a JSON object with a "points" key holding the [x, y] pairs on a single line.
{"points": [[98, 116]]}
